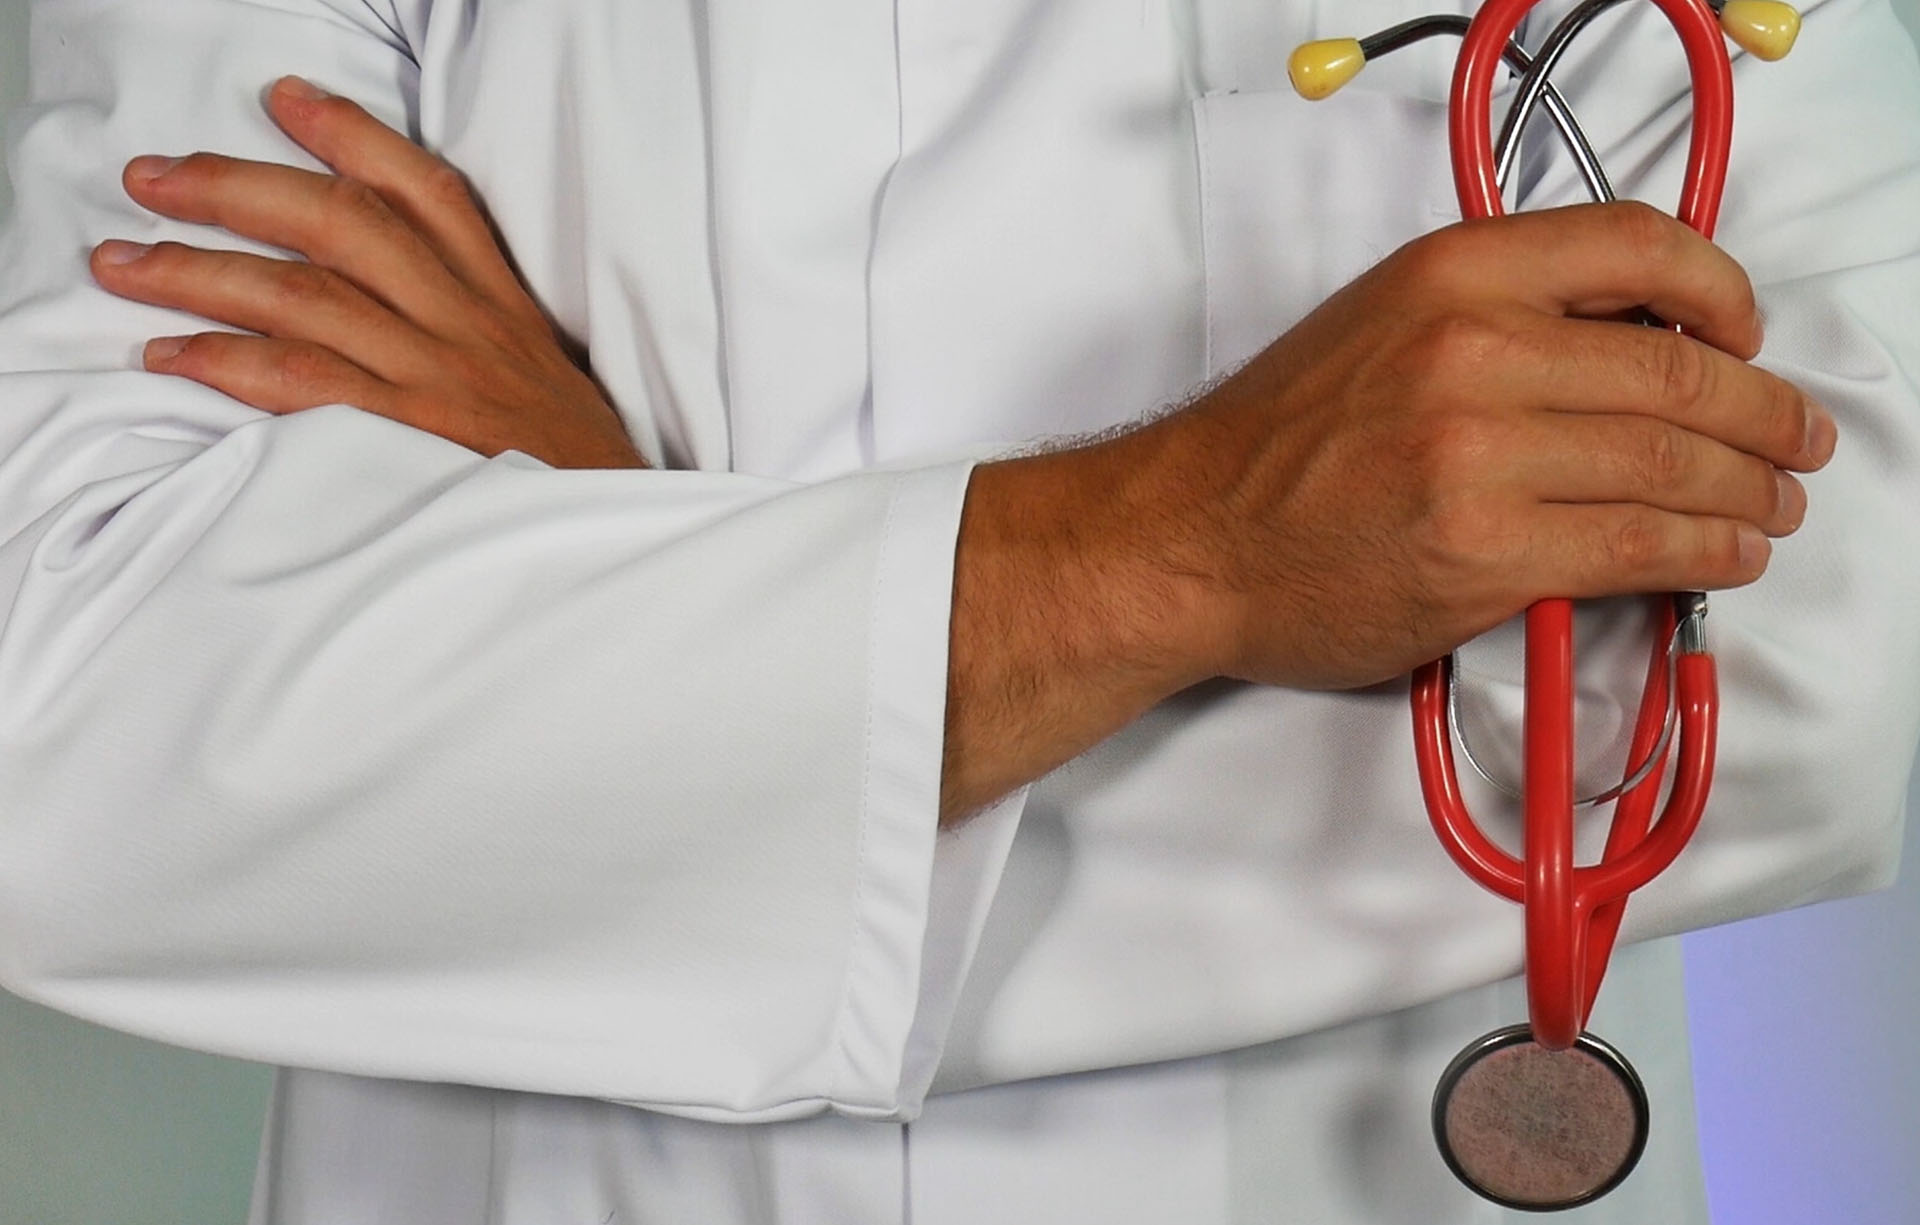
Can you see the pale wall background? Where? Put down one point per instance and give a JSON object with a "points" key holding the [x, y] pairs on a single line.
{"points": [[1804, 1046]]}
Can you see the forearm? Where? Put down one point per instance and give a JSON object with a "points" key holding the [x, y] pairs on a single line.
{"points": [[1073, 610], [446, 759]]}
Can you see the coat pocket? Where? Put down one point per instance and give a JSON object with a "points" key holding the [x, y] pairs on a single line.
{"points": [[1298, 198]]}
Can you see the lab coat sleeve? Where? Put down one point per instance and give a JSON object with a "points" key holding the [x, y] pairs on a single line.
{"points": [[326, 742]]}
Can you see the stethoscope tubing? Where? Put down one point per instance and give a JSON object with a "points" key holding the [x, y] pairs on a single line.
{"points": [[1573, 914]]}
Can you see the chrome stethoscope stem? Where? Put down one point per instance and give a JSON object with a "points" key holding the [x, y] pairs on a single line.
{"points": [[1536, 84], [1545, 96]]}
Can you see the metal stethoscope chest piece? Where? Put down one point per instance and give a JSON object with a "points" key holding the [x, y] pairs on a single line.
{"points": [[1545, 1116], [1539, 1129]]}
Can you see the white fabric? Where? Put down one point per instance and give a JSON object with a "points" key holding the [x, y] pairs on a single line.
{"points": [[330, 744], [242, 648], [1330, 1127]]}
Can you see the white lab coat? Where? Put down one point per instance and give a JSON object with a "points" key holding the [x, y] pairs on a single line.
{"points": [[331, 744]]}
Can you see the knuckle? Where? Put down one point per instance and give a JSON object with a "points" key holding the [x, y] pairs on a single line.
{"points": [[351, 202], [492, 333], [1663, 459], [165, 258], [429, 412], [204, 348], [518, 344], [1444, 481], [446, 187], [202, 168], [1678, 371], [466, 369], [1637, 543], [334, 108], [302, 366], [297, 282], [1437, 257], [1644, 232], [1459, 444], [1456, 347], [1460, 530]]}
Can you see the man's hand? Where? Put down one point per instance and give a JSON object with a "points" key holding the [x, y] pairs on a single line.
{"points": [[1460, 432], [405, 307]]}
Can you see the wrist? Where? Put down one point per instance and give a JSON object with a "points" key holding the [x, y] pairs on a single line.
{"points": [[1113, 546], [1164, 526], [1078, 603]]}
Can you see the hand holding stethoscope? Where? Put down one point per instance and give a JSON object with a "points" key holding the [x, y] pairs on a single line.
{"points": [[1546, 1116]]}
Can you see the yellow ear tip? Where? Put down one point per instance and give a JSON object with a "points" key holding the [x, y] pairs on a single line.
{"points": [[1317, 69], [1763, 28]]}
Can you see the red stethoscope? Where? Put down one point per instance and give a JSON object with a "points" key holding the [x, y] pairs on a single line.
{"points": [[1545, 1115]]}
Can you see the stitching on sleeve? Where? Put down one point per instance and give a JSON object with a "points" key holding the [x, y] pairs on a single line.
{"points": [[858, 935]]}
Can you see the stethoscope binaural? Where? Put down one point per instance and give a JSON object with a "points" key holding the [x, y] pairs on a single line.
{"points": [[1546, 1116]]}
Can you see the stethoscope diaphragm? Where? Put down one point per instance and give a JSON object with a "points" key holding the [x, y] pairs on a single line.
{"points": [[1537, 1129]]}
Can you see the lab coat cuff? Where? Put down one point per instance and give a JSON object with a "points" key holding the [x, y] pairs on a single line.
{"points": [[921, 896]]}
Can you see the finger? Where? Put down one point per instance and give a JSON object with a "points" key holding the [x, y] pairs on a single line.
{"points": [[1590, 552], [425, 191], [1595, 366], [1633, 459], [336, 223], [275, 376], [1600, 259], [285, 299]]}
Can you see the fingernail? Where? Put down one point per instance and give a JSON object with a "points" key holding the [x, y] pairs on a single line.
{"points": [[116, 251], [150, 167], [1823, 435], [1789, 501], [303, 89], [164, 348], [1754, 548]]}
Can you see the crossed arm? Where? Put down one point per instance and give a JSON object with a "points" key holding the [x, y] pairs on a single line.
{"points": [[1467, 428]]}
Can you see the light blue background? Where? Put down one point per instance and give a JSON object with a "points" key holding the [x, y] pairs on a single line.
{"points": [[1804, 1045]]}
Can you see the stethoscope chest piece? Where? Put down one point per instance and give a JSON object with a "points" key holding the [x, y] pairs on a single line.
{"points": [[1536, 1129]]}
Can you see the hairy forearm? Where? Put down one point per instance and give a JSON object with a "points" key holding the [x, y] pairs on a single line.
{"points": [[1074, 610]]}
